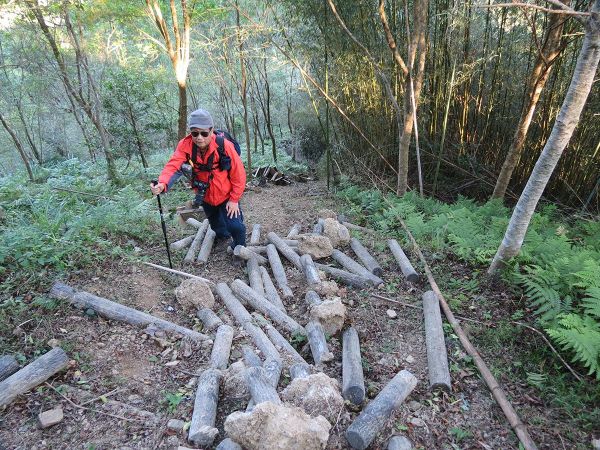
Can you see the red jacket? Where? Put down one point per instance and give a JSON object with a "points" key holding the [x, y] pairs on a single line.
{"points": [[224, 185]]}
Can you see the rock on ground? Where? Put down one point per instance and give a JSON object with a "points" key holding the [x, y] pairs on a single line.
{"points": [[337, 233], [327, 288], [316, 395], [327, 214], [315, 245], [234, 382], [331, 314], [194, 294], [271, 426], [50, 417]]}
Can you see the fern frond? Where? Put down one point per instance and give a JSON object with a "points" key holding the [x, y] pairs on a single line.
{"points": [[591, 303], [581, 335], [541, 287]]}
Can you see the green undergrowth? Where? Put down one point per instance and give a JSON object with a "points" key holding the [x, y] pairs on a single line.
{"points": [[558, 269]]}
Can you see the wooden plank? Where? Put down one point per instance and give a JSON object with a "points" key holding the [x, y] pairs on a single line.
{"points": [[407, 269], [318, 343], [209, 319], [197, 242], [354, 267], [310, 270], [8, 366], [243, 317], [202, 430], [255, 277], [437, 357], [116, 311], [261, 304], [182, 243], [353, 381], [219, 357], [279, 272], [371, 420], [285, 249], [255, 237], [365, 257], [207, 245], [32, 375], [270, 292]]}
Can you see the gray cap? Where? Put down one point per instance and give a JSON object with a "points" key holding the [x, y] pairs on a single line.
{"points": [[200, 118]]}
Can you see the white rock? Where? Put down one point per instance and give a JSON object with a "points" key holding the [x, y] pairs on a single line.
{"points": [[410, 359], [175, 425], [271, 426], [193, 294], [337, 233], [331, 314], [50, 417], [314, 245], [317, 394], [417, 422], [391, 313]]}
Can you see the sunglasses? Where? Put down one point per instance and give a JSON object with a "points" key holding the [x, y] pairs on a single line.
{"points": [[201, 133]]}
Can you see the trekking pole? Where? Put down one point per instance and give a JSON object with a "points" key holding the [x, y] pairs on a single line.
{"points": [[164, 226]]}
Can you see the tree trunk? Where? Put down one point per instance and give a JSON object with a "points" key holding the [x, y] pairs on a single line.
{"points": [[566, 121], [537, 81], [182, 110], [19, 146], [244, 87]]}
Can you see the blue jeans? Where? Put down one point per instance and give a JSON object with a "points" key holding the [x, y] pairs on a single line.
{"points": [[224, 226]]}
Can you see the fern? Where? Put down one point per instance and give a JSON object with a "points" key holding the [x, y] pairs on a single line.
{"points": [[591, 303], [541, 287], [580, 335]]}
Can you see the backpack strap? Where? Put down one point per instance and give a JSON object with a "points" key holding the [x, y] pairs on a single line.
{"points": [[208, 167], [220, 144]]}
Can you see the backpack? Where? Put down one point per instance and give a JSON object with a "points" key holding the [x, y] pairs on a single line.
{"points": [[221, 135]]}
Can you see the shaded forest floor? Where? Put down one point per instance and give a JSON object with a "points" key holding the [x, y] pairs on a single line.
{"points": [[121, 371]]}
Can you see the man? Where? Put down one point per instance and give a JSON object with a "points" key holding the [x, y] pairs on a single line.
{"points": [[223, 172]]}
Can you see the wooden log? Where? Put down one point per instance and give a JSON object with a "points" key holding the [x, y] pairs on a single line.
{"points": [[310, 270], [228, 444], [251, 359], [209, 319], [291, 242], [351, 226], [279, 272], [32, 374], [312, 298], [193, 222], [351, 279], [202, 430], [182, 243], [116, 311], [437, 357], [285, 249], [270, 292], [319, 226], [354, 267], [8, 366], [255, 277], [407, 269], [178, 272], [196, 243], [261, 390], [246, 254], [207, 245], [294, 231], [318, 344], [258, 249], [365, 257], [299, 370], [365, 427], [255, 237], [399, 443], [261, 304], [278, 339], [273, 371], [243, 317], [353, 381], [219, 357]]}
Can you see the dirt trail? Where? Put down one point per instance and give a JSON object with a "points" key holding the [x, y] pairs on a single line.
{"points": [[114, 358]]}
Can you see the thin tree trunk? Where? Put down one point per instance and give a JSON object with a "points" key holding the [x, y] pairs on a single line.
{"points": [[539, 75], [244, 87], [566, 121], [182, 110], [19, 146]]}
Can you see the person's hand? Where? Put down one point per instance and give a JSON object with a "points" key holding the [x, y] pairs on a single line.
{"points": [[233, 209], [157, 188]]}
